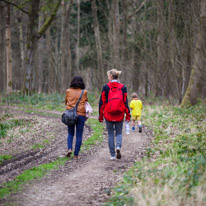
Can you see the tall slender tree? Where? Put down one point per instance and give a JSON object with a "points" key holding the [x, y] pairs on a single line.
{"points": [[98, 43], [161, 66], [65, 48], [2, 47], [78, 37], [33, 36], [116, 34], [195, 85], [8, 52]]}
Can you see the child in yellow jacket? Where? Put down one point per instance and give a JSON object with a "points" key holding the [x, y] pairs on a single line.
{"points": [[136, 106]]}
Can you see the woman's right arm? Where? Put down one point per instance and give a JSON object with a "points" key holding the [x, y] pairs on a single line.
{"points": [[127, 110]]}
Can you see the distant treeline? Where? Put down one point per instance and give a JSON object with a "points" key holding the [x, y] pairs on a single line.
{"points": [[158, 45]]}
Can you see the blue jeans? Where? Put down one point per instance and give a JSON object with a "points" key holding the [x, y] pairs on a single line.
{"points": [[79, 131], [114, 129]]}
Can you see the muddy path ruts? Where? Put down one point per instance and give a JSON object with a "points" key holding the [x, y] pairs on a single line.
{"points": [[87, 181], [24, 157], [28, 159]]}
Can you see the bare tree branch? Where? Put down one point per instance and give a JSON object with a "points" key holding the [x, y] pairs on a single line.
{"points": [[137, 10], [48, 22], [15, 5]]}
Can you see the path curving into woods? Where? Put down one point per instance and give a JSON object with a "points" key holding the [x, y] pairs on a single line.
{"points": [[87, 181]]}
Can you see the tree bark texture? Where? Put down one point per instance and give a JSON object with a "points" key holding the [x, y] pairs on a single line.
{"points": [[65, 50], [161, 66], [110, 33], [195, 85], [2, 47], [51, 80], [33, 36], [49, 20], [32, 39], [116, 34], [8, 52], [98, 44], [173, 73], [22, 48], [78, 38], [124, 54]]}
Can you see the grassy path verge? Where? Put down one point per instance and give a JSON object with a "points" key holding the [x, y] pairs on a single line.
{"points": [[173, 171], [37, 172]]}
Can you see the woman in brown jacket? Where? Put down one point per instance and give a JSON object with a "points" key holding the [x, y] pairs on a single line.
{"points": [[72, 96]]}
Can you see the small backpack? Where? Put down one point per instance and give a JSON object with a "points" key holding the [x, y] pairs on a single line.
{"points": [[70, 117], [115, 103]]}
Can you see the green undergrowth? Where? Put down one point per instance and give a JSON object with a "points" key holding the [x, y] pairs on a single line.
{"points": [[54, 101], [97, 133], [8, 124], [173, 170], [37, 172], [28, 175], [5, 158], [43, 144]]}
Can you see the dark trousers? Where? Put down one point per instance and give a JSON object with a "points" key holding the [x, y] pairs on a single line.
{"points": [[79, 131]]}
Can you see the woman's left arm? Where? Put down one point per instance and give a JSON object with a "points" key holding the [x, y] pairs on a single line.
{"points": [[127, 110], [85, 94]]}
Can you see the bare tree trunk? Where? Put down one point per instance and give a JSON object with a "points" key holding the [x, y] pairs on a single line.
{"points": [[110, 33], [116, 34], [39, 72], [65, 50], [98, 44], [185, 62], [173, 76], [78, 37], [8, 52], [2, 47], [54, 76], [183, 69], [51, 80], [33, 35], [22, 48], [125, 67], [57, 66], [125, 22], [32, 39], [133, 74], [144, 65], [195, 85], [62, 45], [160, 48], [40, 67], [135, 70]]}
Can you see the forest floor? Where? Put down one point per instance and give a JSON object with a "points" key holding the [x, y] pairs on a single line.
{"points": [[86, 181]]}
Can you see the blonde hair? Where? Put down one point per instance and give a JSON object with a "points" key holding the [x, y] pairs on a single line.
{"points": [[134, 95], [114, 73]]}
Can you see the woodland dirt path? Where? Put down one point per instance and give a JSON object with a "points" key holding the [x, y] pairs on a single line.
{"points": [[87, 181]]}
